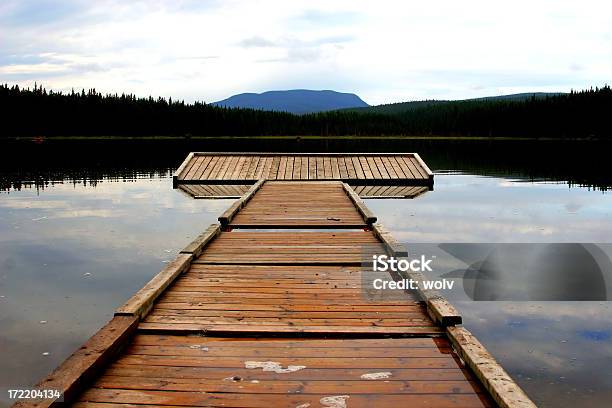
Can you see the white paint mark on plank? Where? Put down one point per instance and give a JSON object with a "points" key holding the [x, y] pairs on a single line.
{"points": [[272, 366], [376, 376], [334, 401]]}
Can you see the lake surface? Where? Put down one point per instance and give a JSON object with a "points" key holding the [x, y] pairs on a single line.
{"points": [[85, 225]]}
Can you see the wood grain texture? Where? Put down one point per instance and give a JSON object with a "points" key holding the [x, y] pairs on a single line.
{"points": [[298, 205], [205, 371], [231, 212], [494, 378], [205, 168], [290, 299], [365, 212], [196, 247], [142, 301], [84, 365]]}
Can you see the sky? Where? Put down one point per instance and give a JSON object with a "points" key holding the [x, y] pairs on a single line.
{"points": [[384, 51]]}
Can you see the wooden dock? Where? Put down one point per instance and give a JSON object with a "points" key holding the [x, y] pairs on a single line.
{"points": [[266, 309], [396, 169]]}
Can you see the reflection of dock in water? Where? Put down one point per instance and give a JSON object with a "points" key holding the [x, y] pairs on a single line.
{"points": [[204, 191], [276, 316]]}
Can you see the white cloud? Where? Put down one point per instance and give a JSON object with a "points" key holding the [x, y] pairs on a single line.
{"points": [[385, 51]]}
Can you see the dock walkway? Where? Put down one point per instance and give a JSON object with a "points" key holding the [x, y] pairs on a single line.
{"points": [[266, 309]]}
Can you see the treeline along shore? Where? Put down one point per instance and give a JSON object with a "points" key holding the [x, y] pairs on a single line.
{"points": [[39, 112]]}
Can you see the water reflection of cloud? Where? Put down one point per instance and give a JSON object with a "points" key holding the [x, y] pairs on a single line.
{"points": [[559, 351], [121, 232], [464, 208], [548, 349], [88, 251]]}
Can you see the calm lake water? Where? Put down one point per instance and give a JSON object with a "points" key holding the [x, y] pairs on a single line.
{"points": [[83, 226]]}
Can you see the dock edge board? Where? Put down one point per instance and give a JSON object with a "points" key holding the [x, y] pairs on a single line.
{"points": [[80, 368], [439, 309], [494, 378], [229, 214]]}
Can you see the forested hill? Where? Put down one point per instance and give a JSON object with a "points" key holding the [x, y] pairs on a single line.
{"points": [[400, 107], [37, 112]]}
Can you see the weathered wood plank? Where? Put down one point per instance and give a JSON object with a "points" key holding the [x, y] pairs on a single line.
{"points": [[196, 247], [85, 364], [367, 215], [391, 244], [228, 214], [504, 391], [141, 303]]}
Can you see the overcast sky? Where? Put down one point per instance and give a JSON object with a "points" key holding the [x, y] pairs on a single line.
{"points": [[385, 51]]}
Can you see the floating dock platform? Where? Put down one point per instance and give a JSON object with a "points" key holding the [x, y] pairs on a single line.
{"points": [[267, 309]]}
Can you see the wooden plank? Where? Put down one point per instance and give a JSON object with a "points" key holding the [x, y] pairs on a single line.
{"points": [[355, 387], [275, 168], [282, 168], [297, 168], [373, 168], [193, 167], [289, 168], [304, 170], [504, 391], [259, 169], [417, 165], [84, 365], [320, 168], [228, 214], [365, 167], [335, 168], [200, 399], [423, 165], [228, 168], [402, 169], [197, 328], [367, 215], [178, 173], [312, 168], [443, 312], [245, 167], [299, 204], [209, 169], [327, 168], [250, 174], [342, 168], [235, 174], [196, 247], [391, 167], [381, 167], [391, 244], [253, 345], [218, 167], [359, 173], [439, 308], [205, 163], [141, 303], [410, 165], [267, 168]]}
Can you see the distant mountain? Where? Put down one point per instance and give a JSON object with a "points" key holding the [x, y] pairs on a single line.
{"points": [[295, 101], [399, 107]]}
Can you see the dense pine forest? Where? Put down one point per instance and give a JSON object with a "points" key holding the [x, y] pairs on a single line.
{"points": [[38, 112]]}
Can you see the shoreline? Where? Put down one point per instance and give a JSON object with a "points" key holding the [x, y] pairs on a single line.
{"points": [[39, 139]]}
